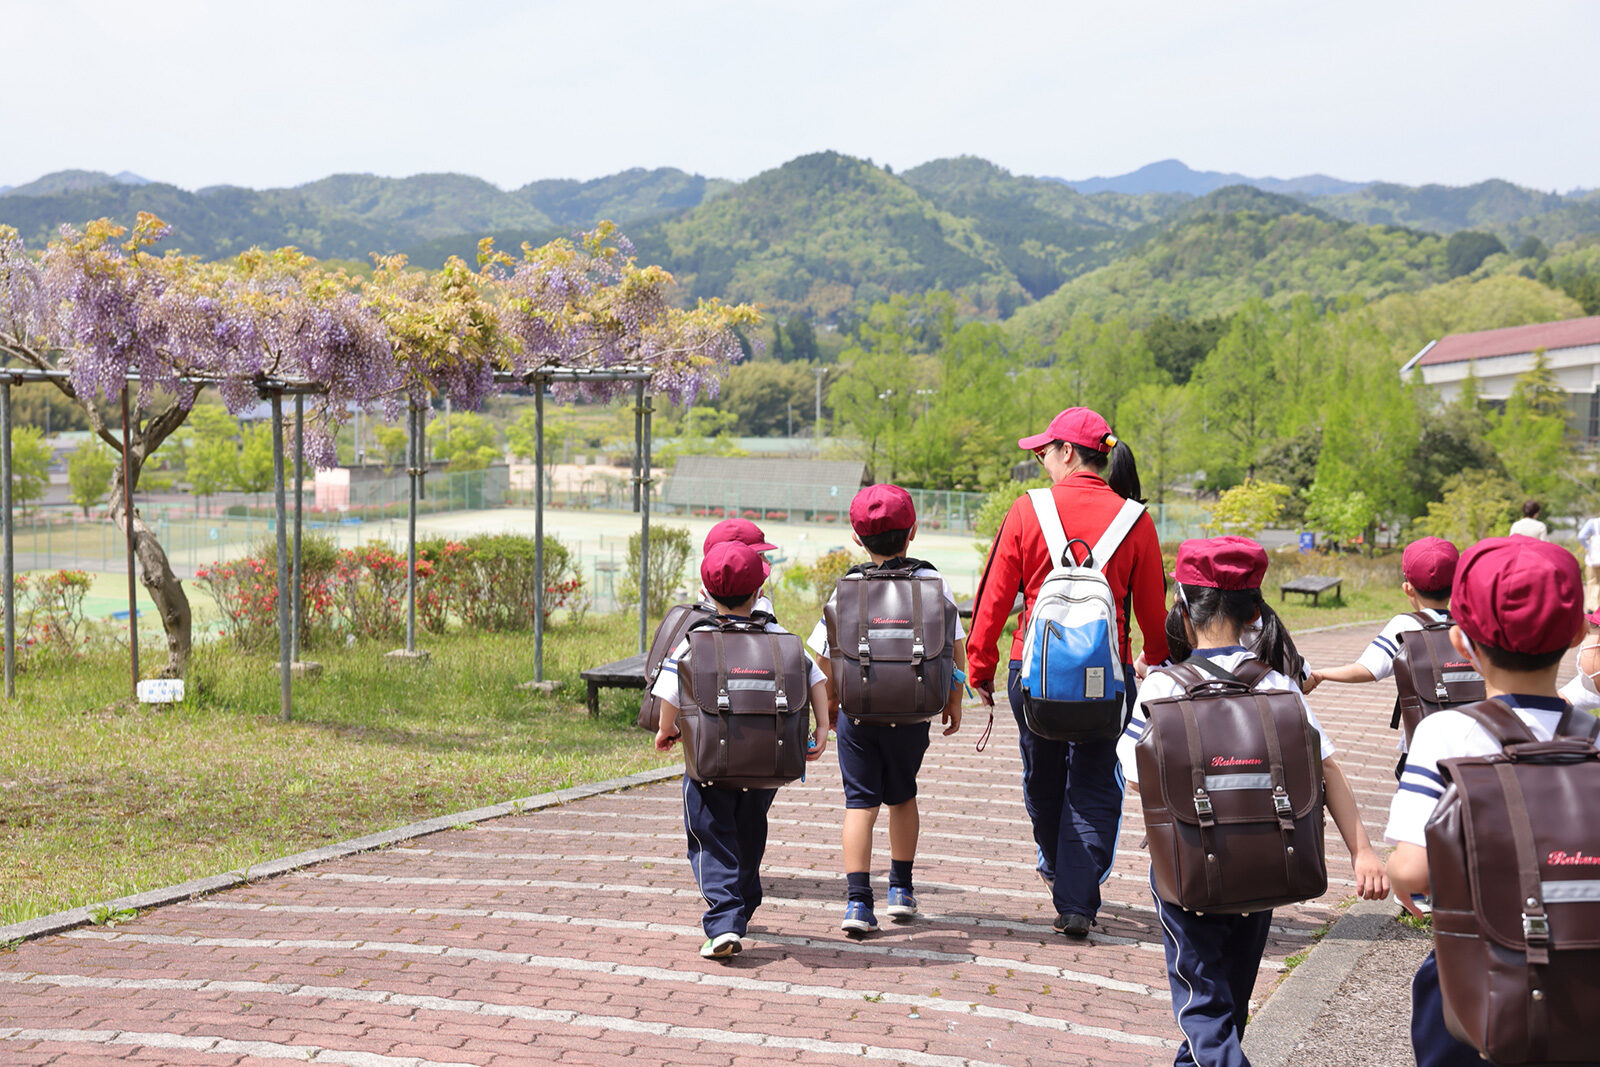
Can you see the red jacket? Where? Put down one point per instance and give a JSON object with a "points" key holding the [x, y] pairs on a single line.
{"points": [[1019, 560]]}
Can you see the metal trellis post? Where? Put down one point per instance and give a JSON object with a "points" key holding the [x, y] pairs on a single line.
{"points": [[298, 603], [127, 521], [538, 532], [9, 559], [644, 528], [415, 450], [281, 510]]}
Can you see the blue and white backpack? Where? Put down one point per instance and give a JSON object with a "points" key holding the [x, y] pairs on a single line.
{"points": [[1072, 683]]}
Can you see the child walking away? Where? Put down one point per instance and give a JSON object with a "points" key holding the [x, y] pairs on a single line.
{"points": [[895, 651], [1495, 811], [680, 617], [1236, 771], [1415, 646], [737, 690], [1582, 692]]}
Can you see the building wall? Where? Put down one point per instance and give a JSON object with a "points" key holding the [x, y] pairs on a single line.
{"points": [[1577, 370]]}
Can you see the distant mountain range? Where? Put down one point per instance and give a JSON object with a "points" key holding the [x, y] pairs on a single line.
{"points": [[826, 233], [1173, 176]]}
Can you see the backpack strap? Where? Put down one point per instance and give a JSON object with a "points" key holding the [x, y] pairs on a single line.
{"points": [[781, 706], [1055, 535], [1119, 529], [1428, 622], [1500, 722], [1249, 675]]}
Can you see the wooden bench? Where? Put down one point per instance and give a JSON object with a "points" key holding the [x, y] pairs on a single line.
{"points": [[623, 674], [966, 607], [1313, 586]]}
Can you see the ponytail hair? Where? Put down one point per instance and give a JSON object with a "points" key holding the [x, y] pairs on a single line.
{"points": [[1203, 604], [1117, 467]]}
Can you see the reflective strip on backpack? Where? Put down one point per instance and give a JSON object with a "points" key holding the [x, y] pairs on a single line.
{"points": [[753, 685], [1221, 782], [891, 634], [1586, 890]]}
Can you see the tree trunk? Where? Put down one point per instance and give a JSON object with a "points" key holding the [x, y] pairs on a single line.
{"points": [[163, 586]]}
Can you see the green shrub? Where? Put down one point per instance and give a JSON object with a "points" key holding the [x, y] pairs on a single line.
{"points": [[670, 549], [498, 581]]}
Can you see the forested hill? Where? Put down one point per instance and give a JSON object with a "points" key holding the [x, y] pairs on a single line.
{"points": [[346, 216], [1236, 244]]}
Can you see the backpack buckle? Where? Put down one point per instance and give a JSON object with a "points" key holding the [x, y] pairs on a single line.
{"points": [[783, 703], [864, 650], [723, 703], [917, 652], [1440, 692], [1280, 802], [1202, 804], [1535, 929]]}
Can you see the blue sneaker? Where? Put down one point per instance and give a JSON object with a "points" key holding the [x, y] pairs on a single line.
{"points": [[902, 906], [858, 919]]}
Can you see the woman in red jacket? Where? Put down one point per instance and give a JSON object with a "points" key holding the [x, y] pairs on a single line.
{"points": [[1073, 789]]}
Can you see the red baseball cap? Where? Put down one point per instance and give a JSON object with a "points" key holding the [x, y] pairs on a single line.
{"points": [[1076, 426], [1429, 564], [732, 569], [1519, 594], [882, 507], [1221, 563], [741, 530]]}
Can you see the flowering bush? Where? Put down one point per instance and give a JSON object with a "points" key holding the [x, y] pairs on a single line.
{"points": [[50, 613]]}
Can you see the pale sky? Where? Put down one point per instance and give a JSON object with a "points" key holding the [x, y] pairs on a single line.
{"points": [[284, 92]]}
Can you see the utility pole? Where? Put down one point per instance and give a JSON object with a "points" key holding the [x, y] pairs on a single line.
{"points": [[820, 372]]}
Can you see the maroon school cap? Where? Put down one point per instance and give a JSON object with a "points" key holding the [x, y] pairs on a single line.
{"points": [[1221, 563], [741, 530], [1076, 426], [879, 508], [1429, 564], [1518, 594], [732, 569]]}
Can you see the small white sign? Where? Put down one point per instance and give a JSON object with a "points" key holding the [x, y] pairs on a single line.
{"points": [[1094, 683], [161, 691]]}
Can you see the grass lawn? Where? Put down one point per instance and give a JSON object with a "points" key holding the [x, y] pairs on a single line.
{"points": [[101, 798]]}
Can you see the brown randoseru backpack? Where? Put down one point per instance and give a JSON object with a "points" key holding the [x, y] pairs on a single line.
{"points": [[891, 643], [744, 704], [1514, 860], [1430, 674], [1231, 783], [673, 626]]}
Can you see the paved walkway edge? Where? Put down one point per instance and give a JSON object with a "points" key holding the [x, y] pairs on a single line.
{"points": [[172, 894], [1279, 1026]]}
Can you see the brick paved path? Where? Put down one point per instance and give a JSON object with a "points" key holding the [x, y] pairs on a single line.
{"points": [[570, 936]]}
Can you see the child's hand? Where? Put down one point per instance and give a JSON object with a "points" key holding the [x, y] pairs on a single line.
{"points": [[665, 741], [951, 717], [1372, 881], [818, 745], [985, 692], [1141, 667], [1311, 681]]}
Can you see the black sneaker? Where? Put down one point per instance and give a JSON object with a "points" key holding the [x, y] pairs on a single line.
{"points": [[1073, 925]]}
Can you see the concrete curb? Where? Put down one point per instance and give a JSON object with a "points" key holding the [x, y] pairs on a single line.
{"points": [[172, 894], [1294, 1007]]}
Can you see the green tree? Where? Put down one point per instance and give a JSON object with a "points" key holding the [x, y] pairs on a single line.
{"points": [[1179, 345], [89, 471], [1343, 514], [392, 442], [255, 470], [1467, 249], [209, 442], [765, 397], [1239, 390], [702, 432], [30, 465], [1476, 504], [1530, 436], [1155, 421], [1248, 508], [464, 439]]}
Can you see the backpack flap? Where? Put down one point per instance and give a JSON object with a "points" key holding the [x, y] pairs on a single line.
{"points": [[1526, 839], [891, 641], [744, 698]]}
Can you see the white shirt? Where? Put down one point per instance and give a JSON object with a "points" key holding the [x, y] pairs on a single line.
{"points": [[1159, 684], [1581, 694], [818, 641], [1449, 734], [666, 686], [1378, 657], [1251, 639], [1531, 528], [1589, 534], [763, 602]]}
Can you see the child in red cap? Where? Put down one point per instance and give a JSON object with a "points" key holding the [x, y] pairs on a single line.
{"points": [[727, 828], [879, 764], [1427, 567], [1213, 958], [745, 532], [1518, 607]]}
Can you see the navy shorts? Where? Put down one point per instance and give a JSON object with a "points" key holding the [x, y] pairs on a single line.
{"points": [[879, 764]]}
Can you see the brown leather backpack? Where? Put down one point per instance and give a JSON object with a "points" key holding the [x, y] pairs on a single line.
{"points": [[744, 704], [1514, 861], [891, 643], [673, 626], [1430, 674], [1231, 783]]}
